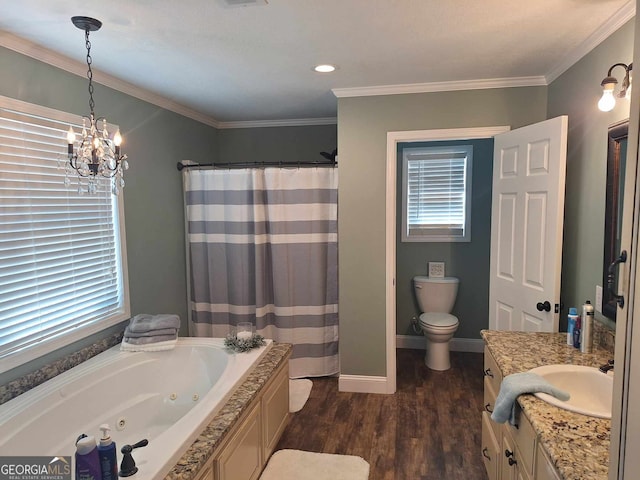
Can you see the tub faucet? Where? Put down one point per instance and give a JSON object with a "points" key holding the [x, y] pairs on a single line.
{"points": [[128, 464], [606, 367]]}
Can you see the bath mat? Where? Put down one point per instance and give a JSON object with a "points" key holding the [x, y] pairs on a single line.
{"points": [[299, 391], [299, 465]]}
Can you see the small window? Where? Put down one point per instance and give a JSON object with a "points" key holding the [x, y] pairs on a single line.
{"points": [[436, 194], [62, 256]]}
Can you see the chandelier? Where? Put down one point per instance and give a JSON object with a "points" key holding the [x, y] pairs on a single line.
{"points": [[94, 154]]}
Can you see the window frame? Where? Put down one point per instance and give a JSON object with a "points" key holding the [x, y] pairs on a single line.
{"points": [[11, 360], [460, 149]]}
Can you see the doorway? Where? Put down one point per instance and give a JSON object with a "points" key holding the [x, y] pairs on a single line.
{"points": [[393, 139]]}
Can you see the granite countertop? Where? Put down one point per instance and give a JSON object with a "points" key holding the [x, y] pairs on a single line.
{"points": [[577, 445], [196, 457]]}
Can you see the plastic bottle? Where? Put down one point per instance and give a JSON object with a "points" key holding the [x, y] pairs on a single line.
{"points": [[107, 454], [571, 325], [576, 332], [586, 336], [87, 461]]}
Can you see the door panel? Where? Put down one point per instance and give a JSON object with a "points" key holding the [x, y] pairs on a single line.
{"points": [[526, 226]]}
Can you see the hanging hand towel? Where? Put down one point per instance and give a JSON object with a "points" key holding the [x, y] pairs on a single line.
{"points": [[514, 385]]}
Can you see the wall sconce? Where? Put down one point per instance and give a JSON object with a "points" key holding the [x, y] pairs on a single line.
{"points": [[608, 100]]}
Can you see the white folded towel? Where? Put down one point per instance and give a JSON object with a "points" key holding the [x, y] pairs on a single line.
{"points": [[149, 347]]}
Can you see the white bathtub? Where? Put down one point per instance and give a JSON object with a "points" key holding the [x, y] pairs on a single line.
{"points": [[166, 397]]}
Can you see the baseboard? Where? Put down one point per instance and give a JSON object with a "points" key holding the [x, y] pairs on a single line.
{"points": [[363, 384], [475, 345]]}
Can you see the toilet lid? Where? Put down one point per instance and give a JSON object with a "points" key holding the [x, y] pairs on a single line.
{"points": [[438, 319]]}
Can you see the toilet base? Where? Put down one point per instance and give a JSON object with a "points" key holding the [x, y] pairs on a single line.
{"points": [[437, 356]]}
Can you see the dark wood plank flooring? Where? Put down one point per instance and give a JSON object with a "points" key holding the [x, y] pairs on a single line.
{"points": [[430, 429]]}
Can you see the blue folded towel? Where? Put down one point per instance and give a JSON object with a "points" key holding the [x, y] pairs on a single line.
{"points": [[517, 384], [146, 323]]}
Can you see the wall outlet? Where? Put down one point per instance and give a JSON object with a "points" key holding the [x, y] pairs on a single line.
{"points": [[598, 305], [436, 269]]}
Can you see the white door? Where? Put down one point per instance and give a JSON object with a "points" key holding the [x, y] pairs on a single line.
{"points": [[526, 227]]}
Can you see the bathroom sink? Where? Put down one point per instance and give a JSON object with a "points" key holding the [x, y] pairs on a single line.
{"points": [[590, 389]]}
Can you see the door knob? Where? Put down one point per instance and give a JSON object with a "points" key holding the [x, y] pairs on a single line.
{"points": [[544, 306]]}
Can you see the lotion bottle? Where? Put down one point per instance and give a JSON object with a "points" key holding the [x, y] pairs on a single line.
{"points": [[107, 454], [571, 324], [87, 461]]}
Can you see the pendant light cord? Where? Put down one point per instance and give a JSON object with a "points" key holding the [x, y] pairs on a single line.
{"points": [[89, 72]]}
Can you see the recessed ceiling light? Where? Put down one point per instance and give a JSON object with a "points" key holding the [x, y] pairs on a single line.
{"points": [[324, 68]]}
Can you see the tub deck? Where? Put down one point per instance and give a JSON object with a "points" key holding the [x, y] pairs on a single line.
{"points": [[214, 434]]}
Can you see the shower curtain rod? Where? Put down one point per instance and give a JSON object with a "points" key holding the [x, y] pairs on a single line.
{"points": [[321, 163]]}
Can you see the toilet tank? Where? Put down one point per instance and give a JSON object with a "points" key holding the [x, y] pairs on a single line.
{"points": [[436, 294]]}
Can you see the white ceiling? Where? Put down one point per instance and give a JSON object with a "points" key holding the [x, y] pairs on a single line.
{"points": [[255, 63]]}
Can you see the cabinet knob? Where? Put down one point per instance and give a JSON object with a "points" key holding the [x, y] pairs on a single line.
{"points": [[512, 462], [508, 453], [488, 373], [488, 408]]}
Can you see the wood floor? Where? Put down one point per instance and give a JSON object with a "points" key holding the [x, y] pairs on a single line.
{"points": [[430, 429]]}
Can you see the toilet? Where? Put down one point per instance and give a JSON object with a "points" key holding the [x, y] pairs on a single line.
{"points": [[436, 297]]}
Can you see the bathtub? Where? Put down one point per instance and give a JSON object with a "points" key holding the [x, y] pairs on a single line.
{"points": [[166, 397]]}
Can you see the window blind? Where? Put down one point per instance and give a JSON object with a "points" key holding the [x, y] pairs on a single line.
{"points": [[437, 189], [60, 256]]}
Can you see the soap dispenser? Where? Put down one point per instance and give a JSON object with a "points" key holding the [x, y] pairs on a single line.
{"points": [[87, 461], [107, 454]]}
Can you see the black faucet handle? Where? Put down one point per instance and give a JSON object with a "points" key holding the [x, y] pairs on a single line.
{"points": [[128, 464], [606, 367]]}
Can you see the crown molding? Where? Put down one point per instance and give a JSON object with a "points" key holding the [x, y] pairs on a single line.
{"points": [[293, 122], [440, 86], [622, 16], [43, 54]]}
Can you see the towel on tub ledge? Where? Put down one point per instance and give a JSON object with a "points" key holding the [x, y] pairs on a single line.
{"points": [[148, 323], [516, 384], [126, 346], [152, 333]]}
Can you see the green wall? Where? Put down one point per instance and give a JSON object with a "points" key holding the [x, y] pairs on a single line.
{"points": [[155, 139], [576, 93], [469, 261], [276, 144], [363, 123]]}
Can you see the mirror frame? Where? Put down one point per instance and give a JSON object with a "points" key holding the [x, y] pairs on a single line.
{"points": [[616, 134]]}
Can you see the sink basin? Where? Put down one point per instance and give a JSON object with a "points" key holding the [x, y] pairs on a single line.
{"points": [[590, 389]]}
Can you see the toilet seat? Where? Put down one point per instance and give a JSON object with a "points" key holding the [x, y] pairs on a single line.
{"points": [[435, 320]]}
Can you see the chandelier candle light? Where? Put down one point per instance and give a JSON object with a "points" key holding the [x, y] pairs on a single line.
{"points": [[95, 153]]}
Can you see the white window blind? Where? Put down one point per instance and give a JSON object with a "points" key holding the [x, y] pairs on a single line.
{"points": [[436, 193], [61, 261]]}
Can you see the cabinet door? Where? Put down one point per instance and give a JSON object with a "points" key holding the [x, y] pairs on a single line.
{"points": [[491, 370], [490, 448], [275, 411], [241, 458], [544, 469], [524, 439]]}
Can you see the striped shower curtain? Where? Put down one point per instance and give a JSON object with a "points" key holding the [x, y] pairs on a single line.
{"points": [[263, 248]]}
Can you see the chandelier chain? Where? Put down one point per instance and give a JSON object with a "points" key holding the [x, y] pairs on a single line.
{"points": [[89, 71]]}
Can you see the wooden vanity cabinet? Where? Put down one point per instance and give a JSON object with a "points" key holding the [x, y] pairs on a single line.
{"points": [[247, 447], [510, 452]]}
